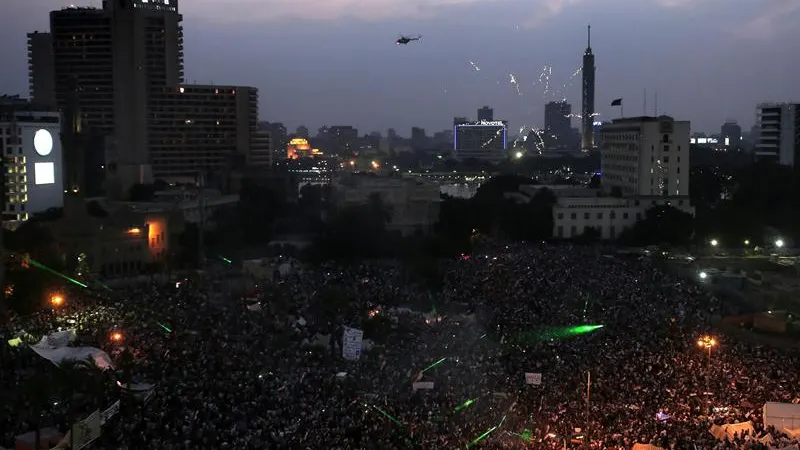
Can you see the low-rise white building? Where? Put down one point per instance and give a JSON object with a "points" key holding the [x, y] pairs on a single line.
{"points": [[196, 206], [414, 203], [572, 216]]}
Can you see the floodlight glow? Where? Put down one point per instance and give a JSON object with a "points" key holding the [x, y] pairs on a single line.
{"points": [[779, 243], [703, 275], [44, 173], [43, 142]]}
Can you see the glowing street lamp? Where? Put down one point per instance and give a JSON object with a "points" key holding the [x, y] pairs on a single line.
{"points": [[747, 242], [779, 243], [703, 275], [707, 342], [116, 336], [714, 242], [56, 300]]}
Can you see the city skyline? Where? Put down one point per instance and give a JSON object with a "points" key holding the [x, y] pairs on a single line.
{"points": [[349, 72]]}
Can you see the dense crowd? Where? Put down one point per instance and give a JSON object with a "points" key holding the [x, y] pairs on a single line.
{"points": [[232, 377]]}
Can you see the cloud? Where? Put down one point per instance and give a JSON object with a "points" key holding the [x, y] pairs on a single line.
{"points": [[774, 19]]}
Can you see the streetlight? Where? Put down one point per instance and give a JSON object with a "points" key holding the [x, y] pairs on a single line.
{"points": [[703, 275], [707, 343], [714, 242], [779, 243], [116, 336], [747, 242], [56, 300]]}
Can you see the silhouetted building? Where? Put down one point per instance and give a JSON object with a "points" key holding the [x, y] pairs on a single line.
{"points": [[302, 132], [778, 126], [587, 104], [117, 56], [41, 73], [418, 137], [343, 139], [557, 125], [646, 156], [731, 134], [486, 114]]}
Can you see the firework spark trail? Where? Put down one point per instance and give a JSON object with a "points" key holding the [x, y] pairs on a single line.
{"points": [[513, 80], [496, 135], [475, 66]]}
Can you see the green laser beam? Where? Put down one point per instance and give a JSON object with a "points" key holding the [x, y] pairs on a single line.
{"points": [[465, 404], [225, 259], [434, 365], [166, 328], [388, 416], [481, 437], [41, 266]]}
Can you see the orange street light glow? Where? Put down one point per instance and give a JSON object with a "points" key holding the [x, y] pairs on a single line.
{"points": [[706, 342], [134, 231], [56, 300], [116, 336]]}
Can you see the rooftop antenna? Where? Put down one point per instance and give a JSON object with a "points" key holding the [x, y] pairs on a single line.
{"points": [[589, 36], [656, 103]]}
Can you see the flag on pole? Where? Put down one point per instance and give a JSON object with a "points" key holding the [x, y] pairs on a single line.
{"points": [[617, 102]]}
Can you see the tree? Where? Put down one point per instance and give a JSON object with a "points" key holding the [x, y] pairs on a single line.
{"points": [[356, 230], [662, 224], [33, 254]]}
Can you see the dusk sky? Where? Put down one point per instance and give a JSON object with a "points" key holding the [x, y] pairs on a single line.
{"points": [[334, 62]]}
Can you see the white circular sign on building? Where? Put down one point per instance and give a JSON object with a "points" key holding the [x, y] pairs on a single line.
{"points": [[43, 142]]}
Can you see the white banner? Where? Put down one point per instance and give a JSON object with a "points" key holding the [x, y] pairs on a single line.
{"points": [[421, 385], [351, 343], [109, 413], [533, 378]]}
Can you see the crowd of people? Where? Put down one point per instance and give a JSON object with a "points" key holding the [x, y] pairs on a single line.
{"points": [[231, 376]]}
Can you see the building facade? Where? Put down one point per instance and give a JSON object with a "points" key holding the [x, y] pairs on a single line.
{"points": [[486, 114], [414, 203], [610, 216], [196, 129], [557, 125], [482, 140], [32, 160], [42, 87], [646, 156], [778, 127]]}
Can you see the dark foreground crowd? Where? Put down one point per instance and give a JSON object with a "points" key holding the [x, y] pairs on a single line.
{"points": [[232, 377]]}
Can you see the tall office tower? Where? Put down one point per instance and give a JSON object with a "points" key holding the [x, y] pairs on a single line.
{"points": [[40, 69], [778, 137], [114, 58], [557, 125], [486, 114], [148, 54], [587, 107], [646, 156]]}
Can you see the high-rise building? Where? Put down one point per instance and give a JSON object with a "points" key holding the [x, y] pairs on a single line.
{"points": [[557, 125], [778, 126], [302, 131], [201, 129], [486, 114], [482, 140], [646, 156], [343, 139], [587, 104], [41, 73], [731, 134], [116, 57]]}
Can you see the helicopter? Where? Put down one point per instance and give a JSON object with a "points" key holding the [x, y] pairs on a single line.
{"points": [[404, 40]]}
